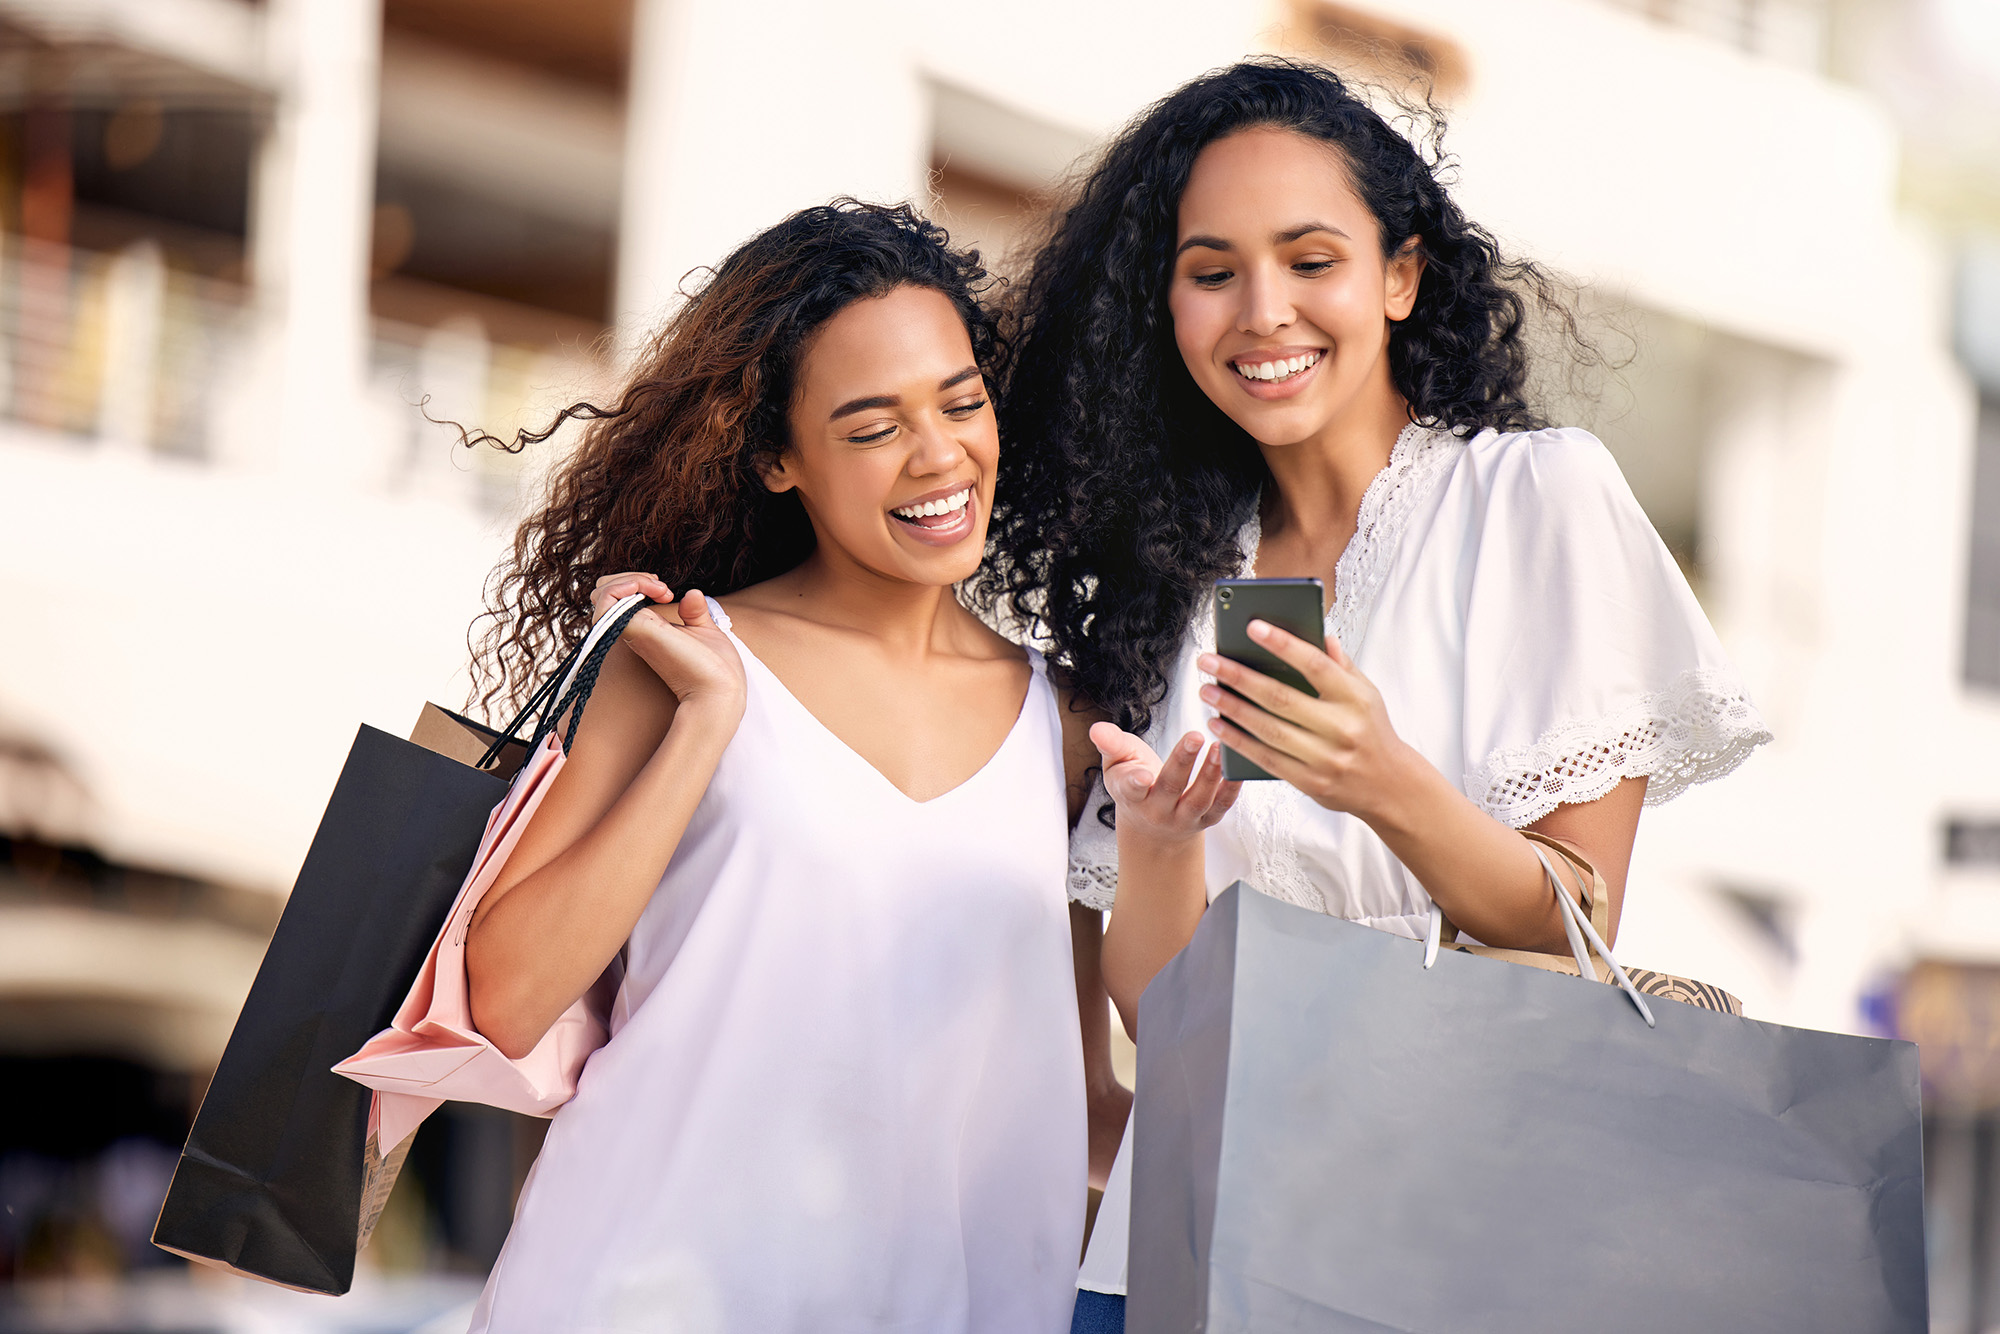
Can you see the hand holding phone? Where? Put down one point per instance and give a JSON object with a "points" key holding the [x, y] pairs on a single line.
{"points": [[1294, 605]]}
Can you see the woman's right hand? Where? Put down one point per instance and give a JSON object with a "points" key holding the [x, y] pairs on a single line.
{"points": [[612, 587], [1155, 798], [680, 641]]}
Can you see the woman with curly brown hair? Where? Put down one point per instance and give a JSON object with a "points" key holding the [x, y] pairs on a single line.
{"points": [[818, 808], [1263, 340]]}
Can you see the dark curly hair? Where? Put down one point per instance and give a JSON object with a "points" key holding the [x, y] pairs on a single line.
{"points": [[669, 479], [1120, 499]]}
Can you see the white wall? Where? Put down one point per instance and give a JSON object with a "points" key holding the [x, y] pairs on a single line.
{"points": [[199, 645]]}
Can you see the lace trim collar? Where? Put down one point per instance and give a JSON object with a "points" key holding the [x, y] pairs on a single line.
{"points": [[1417, 461]]}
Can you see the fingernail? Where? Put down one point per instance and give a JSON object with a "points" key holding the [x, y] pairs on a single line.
{"points": [[1191, 745], [1211, 695], [1259, 629], [1207, 662]]}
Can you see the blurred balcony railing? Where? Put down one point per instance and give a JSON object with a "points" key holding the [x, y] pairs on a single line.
{"points": [[1791, 32], [119, 348], [125, 352], [429, 382]]}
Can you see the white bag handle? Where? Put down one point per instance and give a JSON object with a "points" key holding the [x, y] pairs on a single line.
{"points": [[1576, 927], [597, 629]]}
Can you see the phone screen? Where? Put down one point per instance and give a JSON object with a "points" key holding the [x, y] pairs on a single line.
{"points": [[1294, 605]]}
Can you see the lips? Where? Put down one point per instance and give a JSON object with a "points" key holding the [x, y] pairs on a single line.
{"points": [[943, 518], [936, 511], [1275, 370], [1272, 374]]}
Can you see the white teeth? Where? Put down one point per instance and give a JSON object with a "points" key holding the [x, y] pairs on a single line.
{"points": [[930, 509], [1282, 369]]}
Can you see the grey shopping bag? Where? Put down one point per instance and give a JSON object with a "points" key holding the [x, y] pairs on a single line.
{"points": [[1327, 1136]]}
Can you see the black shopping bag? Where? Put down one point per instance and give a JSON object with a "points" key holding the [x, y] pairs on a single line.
{"points": [[1328, 1136], [280, 1179]]}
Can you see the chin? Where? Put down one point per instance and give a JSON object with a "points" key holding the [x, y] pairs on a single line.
{"points": [[1276, 430], [946, 570]]}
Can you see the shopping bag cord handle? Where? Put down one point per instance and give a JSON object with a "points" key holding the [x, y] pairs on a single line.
{"points": [[568, 687], [1576, 927]]}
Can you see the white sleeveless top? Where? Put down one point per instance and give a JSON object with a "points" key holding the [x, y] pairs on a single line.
{"points": [[844, 1085], [1532, 638]]}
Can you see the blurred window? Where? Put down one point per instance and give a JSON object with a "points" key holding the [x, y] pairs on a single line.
{"points": [[1972, 842]]}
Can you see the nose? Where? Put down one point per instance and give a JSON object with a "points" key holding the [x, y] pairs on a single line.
{"points": [[934, 449], [1266, 302]]}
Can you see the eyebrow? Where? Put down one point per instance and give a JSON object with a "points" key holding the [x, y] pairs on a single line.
{"points": [[855, 405], [1286, 237]]}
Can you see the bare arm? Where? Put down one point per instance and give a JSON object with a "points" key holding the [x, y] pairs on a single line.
{"points": [[1164, 809], [666, 705], [1110, 1102], [1340, 750]]}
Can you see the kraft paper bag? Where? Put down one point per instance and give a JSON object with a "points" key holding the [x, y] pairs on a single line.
{"points": [[1330, 1137], [289, 1164]]}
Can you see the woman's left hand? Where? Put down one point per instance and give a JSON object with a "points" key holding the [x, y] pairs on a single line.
{"points": [[1338, 749]]}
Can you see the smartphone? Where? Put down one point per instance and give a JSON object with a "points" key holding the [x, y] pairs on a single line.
{"points": [[1297, 605]]}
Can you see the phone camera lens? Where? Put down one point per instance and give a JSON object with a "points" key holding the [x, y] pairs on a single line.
{"points": [[1223, 596]]}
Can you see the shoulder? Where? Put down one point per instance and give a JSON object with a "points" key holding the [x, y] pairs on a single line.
{"points": [[1558, 487], [1557, 464], [1556, 460], [629, 693]]}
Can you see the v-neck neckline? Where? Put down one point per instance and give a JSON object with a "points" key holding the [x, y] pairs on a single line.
{"points": [[841, 743], [1415, 459]]}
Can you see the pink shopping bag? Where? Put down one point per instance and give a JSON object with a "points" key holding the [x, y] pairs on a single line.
{"points": [[431, 1053]]}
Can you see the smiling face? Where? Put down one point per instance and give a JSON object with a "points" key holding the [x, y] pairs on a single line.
{"points": [[893, 442], [1281, 294]]}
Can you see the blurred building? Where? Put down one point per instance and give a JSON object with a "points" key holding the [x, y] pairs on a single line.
{"points": [[241, 242]]}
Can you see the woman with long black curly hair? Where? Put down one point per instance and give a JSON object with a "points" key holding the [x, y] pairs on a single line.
{"points": [[822, 830], [1263, 340]]}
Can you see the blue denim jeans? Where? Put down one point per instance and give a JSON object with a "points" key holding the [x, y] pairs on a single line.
{"points": [[1097, 1313]]}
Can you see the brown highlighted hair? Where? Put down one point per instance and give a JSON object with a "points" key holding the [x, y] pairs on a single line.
{"points": [[669, 479]]}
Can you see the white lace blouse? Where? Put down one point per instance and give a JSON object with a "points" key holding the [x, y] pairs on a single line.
{"points": [[1531, 637]]}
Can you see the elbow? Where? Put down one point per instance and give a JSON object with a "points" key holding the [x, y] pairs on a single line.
{"points": [[497, 1016], [1127, 1005], [1128, 1015], [1124, 983], [513, 1046], [493, 1022]]}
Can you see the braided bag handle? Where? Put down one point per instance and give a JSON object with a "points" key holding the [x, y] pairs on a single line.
{"points": [[568, 687]]}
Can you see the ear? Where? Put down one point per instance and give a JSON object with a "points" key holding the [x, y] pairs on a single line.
{"points": [[1404, 271], [778, 476]]}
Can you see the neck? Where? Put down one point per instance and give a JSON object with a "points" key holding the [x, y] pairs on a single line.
{"points": [[1319, 481], [833, 588]]}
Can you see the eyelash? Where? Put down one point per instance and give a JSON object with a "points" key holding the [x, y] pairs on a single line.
{"points": [[1310, 268], [961, 412]]}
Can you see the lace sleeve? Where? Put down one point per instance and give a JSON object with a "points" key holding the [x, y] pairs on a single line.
{"points": [[1699, 728], [1093, 855], [1587, 658]]}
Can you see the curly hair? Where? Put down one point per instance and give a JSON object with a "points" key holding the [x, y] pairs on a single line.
{"points": [[669, 479], [1121, 499]]}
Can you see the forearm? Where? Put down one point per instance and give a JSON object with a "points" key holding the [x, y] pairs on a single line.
{"points": [[1108, 1101], [1484, 875], [1162, 893], [546, 941]]}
